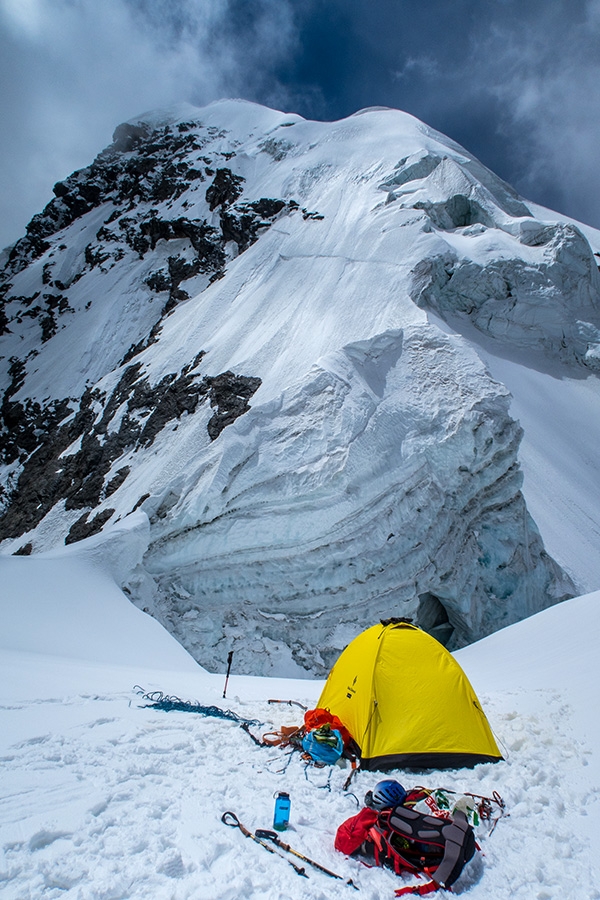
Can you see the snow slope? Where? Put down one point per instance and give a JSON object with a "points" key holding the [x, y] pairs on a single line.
{"points": [[561, 466], [101, 798]]}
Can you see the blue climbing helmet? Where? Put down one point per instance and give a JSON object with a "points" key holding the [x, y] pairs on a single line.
{"points": [[385, 794]]}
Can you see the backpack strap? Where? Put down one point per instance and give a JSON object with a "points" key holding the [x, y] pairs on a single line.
{"points": [[454, 834], [383, 852], [454, 838], [419, 889]]}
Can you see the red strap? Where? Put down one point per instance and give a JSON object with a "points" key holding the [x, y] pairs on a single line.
{"points": [[419, 889]]}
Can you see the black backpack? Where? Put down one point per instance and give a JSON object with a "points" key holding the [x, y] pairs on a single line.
{"points": [[409, 841]]}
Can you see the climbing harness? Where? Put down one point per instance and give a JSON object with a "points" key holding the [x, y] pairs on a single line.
{"points": [[288, 735]]}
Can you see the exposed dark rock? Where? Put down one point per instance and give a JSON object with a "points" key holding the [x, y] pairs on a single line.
{"points": [[139, 502], [311, 215], [95, 257], [82, 528], [243, 222], [118, 396], [230, 394], [157, 171], [40, 437], [4, 289], [25, 301], [23, 425], [17, 372], [143, 344], [49, 327], [278, 149], [25, 550], [66, 449], [202, 236], [159, 281], [224, 190], [127, 137], [168, 400]]}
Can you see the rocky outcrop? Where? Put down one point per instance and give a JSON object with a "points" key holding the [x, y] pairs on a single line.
{"points": [[132, 184], [72, 456]]}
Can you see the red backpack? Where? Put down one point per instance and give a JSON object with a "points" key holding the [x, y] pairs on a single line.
{"points": [[355, 831], [411, 842]]}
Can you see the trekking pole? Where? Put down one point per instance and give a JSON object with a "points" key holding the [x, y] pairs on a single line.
{"points": [[272, 836], [230, 818], [229, 658]]}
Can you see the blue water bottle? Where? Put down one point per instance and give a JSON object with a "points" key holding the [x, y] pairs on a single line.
{"points": [[282, 811]]}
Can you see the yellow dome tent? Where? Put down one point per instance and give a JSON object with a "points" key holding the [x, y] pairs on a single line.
{"points": [[407, 702]]}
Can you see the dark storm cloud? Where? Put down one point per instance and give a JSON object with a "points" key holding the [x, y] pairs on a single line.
{"points": [[514, 82], [71, 70]]}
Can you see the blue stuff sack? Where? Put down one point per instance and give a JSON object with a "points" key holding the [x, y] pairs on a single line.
{"points": [[324, 745]]}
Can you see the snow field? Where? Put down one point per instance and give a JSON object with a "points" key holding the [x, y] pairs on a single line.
{"points": [[104, 799], [116, 801]]}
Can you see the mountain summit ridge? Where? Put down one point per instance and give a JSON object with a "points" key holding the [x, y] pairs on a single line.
{"points": [[224, 321]]}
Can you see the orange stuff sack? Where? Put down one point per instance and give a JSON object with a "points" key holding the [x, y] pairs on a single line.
{"points": [[316, 718]]}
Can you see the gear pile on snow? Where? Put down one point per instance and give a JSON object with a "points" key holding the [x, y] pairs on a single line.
{"points": [[426, 831]]}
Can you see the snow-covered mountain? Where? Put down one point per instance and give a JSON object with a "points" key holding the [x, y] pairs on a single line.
{"points": [[270, 341]]}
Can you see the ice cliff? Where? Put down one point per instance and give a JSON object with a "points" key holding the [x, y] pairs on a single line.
{"points": [[233, 322]]}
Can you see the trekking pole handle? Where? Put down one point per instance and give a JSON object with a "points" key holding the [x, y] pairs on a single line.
{"points": [[269, 835], [230, 818]]}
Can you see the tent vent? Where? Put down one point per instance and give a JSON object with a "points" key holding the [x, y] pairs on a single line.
{"points": [[432, 617]]}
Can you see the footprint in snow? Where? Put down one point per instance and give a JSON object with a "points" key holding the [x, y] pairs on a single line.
{"points": [[44, 838], [173, 868]]}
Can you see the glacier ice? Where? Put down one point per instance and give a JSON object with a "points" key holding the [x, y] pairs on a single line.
{"points": [[386, 479]]}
